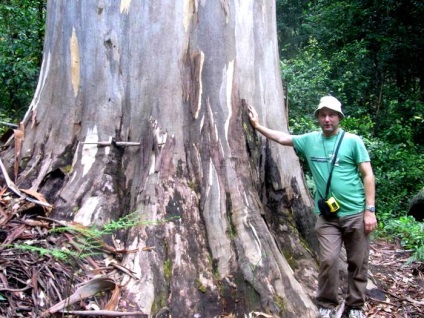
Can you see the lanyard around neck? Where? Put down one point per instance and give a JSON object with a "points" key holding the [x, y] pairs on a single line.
{"points": [[332, 154], [332, 165]]}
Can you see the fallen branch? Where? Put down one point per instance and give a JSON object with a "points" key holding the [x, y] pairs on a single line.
{"points": [[125, 270], [104, 313], [89, 289], [410, 300], [15, 290], [383, 302], [9, 124], [415, 303], [11, 185]]}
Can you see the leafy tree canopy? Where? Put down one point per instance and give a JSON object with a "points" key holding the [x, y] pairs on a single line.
{"points": [[368, 53], [21, 43]]}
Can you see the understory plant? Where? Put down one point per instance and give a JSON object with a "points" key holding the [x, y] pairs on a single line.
{"points": [[409, 233], [87, 241]]}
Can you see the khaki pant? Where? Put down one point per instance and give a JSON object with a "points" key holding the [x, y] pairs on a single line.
{"points": [[332, 234]]}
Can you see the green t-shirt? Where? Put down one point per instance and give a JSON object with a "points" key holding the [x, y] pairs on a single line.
{"points": [[346, 183]]}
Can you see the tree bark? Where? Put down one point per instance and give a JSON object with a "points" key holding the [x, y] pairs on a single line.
{"points": [[171, 76]]}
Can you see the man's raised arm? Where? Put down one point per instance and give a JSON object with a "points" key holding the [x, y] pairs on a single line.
{"points": [[275, 135]]}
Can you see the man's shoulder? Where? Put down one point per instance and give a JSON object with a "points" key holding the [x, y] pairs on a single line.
{"points": [[352, 136], [305, 138], [357, 145], [303, 142], [311, 134]]}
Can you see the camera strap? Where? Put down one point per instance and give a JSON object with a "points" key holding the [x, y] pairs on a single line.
{"points": [[332, 165]]}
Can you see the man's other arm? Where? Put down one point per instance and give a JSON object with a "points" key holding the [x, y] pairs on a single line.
{"points": [[368, 179]]}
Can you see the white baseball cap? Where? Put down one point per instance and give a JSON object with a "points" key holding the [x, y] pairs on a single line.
{"points": [[329, 102]]}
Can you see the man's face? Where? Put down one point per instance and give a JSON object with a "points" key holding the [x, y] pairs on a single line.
{"points": [[329, 121]]}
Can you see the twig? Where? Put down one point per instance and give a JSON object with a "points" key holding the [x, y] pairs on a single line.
{"points": [[53, 285], [398, 297], [125, 270], [15, 290], [410, 300], [9, 124], [383, 302], [11, 185], [5, 217], [61, 223], [107, 313]]}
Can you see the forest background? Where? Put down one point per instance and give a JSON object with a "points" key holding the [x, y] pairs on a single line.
{"points": [[368, 54]]}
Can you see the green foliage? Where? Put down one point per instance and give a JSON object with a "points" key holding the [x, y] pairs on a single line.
{"points": [[306, 78], [21, 44], [399, 171], [112, 227], [88, 241], [418, 255], [409, 232], [291, 35], [362, 126], [302, 124], [365, 53], [60, 254]]}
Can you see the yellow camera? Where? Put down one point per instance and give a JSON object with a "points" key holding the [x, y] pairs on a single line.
{"points": [[332, 204]]}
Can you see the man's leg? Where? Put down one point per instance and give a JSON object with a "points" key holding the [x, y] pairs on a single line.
{"points": [[357, 252], [330, 239]]}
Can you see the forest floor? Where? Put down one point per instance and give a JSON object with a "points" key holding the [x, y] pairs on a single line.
{"points": [[43, 261], [399, 291]]}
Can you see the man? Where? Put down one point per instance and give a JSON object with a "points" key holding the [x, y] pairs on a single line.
{"points": [[355, 194]]}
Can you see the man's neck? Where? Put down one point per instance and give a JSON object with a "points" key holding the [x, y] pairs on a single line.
{"points": [[331, 133]]}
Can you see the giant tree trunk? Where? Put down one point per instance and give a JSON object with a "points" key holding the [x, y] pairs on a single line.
{"points": [[171, 76]]}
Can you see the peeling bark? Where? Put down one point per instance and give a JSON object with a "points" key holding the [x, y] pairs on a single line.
{"points": [[171, 77]]}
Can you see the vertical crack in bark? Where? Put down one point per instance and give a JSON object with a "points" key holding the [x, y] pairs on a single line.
{"points": [[216, 223], [192, 77], [159, 139], [226, 7]]}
